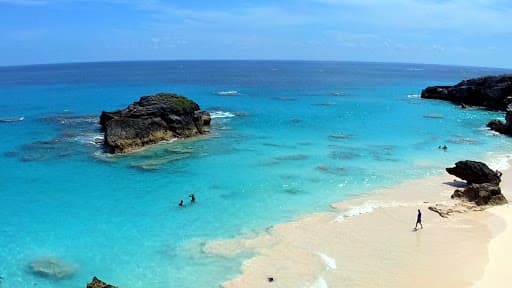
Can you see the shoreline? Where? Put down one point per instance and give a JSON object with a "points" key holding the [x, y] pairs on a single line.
{"points": [[369, 241]]}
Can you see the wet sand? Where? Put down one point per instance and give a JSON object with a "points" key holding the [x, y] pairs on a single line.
{"points": [[371, 242]]}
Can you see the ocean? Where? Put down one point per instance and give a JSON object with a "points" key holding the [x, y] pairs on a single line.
{"points": [[287, 138]]}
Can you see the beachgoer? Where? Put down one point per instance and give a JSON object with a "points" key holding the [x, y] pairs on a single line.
{"points": [[445, 147], [192, 197], [181, 204], [418, 220]]}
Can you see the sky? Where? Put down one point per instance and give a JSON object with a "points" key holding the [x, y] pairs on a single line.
{"points": [[459, 32]]}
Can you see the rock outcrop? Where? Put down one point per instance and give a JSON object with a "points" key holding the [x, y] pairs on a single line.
{"points": [[474, 172], [482, 183], [503, 127], [97, 283], [482, 194], [152, 119], [492, 92]]}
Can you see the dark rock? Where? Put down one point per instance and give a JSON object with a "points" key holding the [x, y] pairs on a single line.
{"points": [[482, 194], [474, 172], [502, 127], [441, 212], [153, 119], [493, 92], [97, 283]]}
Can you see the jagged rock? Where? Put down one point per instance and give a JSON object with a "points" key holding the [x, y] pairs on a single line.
{"points": [[97, 283], [503, 127], [52, 268], [482, 194], [474, 172], [152, 119], [493, 92]]}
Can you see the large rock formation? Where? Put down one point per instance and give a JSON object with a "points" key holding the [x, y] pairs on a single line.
{"points": [[97, 283], [493, 92], [482, 194], [482, 183], [474, 172], [152, 119]]}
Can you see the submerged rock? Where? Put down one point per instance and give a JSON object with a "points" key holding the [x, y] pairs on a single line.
{"points": [[97, 283], [152, 119], [493, 92], [474, 172], [52, 268]]}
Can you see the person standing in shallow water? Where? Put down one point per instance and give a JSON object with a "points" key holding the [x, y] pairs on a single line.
{"points": [[418, 220]]}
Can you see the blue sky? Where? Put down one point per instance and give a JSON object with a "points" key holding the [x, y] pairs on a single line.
{"points": [[463, 32]]}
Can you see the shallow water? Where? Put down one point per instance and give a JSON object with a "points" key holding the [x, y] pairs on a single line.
{"points": [[295, 137]]}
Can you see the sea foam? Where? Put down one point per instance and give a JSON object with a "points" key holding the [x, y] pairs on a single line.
{"points": [[329, 261], [221, 114]]}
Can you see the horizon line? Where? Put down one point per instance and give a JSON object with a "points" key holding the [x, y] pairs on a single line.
{"points": [[246, 60]]}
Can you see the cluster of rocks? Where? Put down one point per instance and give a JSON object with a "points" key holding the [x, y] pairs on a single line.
{"points": [[503, 127], [482, 183], [152, 119], [492, 92]]}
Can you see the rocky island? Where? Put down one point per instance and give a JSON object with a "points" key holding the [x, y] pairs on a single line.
{"points": [[491, 92], [152, 119]]}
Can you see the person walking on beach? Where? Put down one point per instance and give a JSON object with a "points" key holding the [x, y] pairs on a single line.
{"points": [[418, 220]]}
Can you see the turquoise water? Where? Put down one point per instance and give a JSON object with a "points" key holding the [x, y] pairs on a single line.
{"points": [[296, 137]]}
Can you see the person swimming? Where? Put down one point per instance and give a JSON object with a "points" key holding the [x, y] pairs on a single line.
{"points": [[181, 204], [192, 197]]}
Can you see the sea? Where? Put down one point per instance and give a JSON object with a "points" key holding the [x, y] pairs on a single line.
{"points": [[287, 138]]}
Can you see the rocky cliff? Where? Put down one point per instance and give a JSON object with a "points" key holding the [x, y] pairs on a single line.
{"points": [[152, 119], [492, 92]]}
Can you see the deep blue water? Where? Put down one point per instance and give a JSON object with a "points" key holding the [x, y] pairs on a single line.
{"points": [[117, 217]]}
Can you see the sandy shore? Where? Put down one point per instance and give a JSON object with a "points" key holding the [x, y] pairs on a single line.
{"points": [[497, 272], [370, 242]]}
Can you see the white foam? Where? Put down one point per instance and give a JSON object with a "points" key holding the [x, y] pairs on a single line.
{"points": [[15, 119], [359, 210], [413, 96], [221, 114], [228, 93], [366, 208], [501, 164], [329, 261], [320, 283], [95, 139]]}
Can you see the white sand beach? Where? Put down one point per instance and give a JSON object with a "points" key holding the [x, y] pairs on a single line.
{"points": [[370, 242]]}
